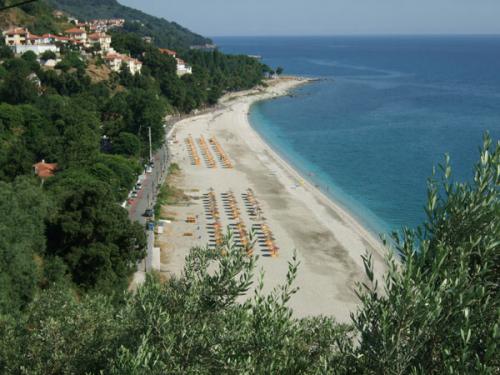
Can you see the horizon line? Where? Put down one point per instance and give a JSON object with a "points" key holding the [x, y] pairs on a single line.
{"points": [[354, 35]]}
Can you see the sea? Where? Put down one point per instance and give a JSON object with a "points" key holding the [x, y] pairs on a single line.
{"points": [[382, 116]]}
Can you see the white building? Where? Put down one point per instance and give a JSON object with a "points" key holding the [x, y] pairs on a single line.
{"points": [[78, 35], [183, 68], [134, 65], [116, 60], [38, 49], [16, 36], [104, 40]]}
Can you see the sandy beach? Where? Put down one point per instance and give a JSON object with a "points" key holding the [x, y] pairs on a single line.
{"points": [[222, 159]]}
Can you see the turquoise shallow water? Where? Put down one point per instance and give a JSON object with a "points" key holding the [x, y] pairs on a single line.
{"points": [[386, 112]]}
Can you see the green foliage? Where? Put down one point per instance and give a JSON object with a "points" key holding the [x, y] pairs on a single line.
{"points": [[17, 87], [119, 173], [167, 195], [6, 52], [134, 112], [22, 209], [66, 82], [127, 144], [41, 20], [29, 56], [92, 233], [228, 72], [436, 312], [48, 55], [199, 327], [439, 311], [3, 72], [129, 43], [193, 324], [71, 60], [31, 59], [61, 334]]}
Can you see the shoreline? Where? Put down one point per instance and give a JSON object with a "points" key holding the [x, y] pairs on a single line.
{"points": [[328, 240], [327, 200], [332, 200]]}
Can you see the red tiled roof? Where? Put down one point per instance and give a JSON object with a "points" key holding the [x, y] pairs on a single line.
{"points": [[74, 30], [169, 52], [45, 170], [97, 36], [124, 58], [56, 37], [113, 56]]}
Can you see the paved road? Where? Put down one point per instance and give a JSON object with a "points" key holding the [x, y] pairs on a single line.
{"points": [[146, 198]]}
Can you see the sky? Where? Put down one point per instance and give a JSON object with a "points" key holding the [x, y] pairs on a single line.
{"points": [[327, 17]]}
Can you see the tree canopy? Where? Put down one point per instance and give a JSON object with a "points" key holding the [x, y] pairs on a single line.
{"points": [[436, 311]]}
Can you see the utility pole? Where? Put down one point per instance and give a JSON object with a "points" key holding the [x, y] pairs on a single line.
{"points": [[150, 146]]}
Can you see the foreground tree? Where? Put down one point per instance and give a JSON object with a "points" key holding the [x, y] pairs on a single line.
{"points": [[92, 233], [22, 211], [436, 312], [439, 312]]}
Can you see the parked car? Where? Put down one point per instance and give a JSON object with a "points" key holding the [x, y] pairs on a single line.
{"points": [[134, 194], [138, 186], [149, 213]]}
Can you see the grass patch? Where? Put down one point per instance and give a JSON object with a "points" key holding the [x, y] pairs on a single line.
{"points": [[169, 194], [174, 169]]}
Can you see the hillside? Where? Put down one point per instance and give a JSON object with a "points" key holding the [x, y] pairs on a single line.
{"points": [[166, 34], [35, 16]]}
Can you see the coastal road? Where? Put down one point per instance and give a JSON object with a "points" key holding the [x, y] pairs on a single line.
{"points": [[146, 198], [147, 195]]}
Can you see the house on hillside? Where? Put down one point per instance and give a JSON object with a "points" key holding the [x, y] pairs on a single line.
{"points": [[52, 39], [168, 52], [183, 68], [33, 39], [20, 40], [104, 40], [78, 35], [115, 61], [45, 170], [134, 65], [16, 36]]}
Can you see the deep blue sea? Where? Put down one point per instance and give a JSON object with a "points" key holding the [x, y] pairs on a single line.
{"points": [[387, 111]]}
